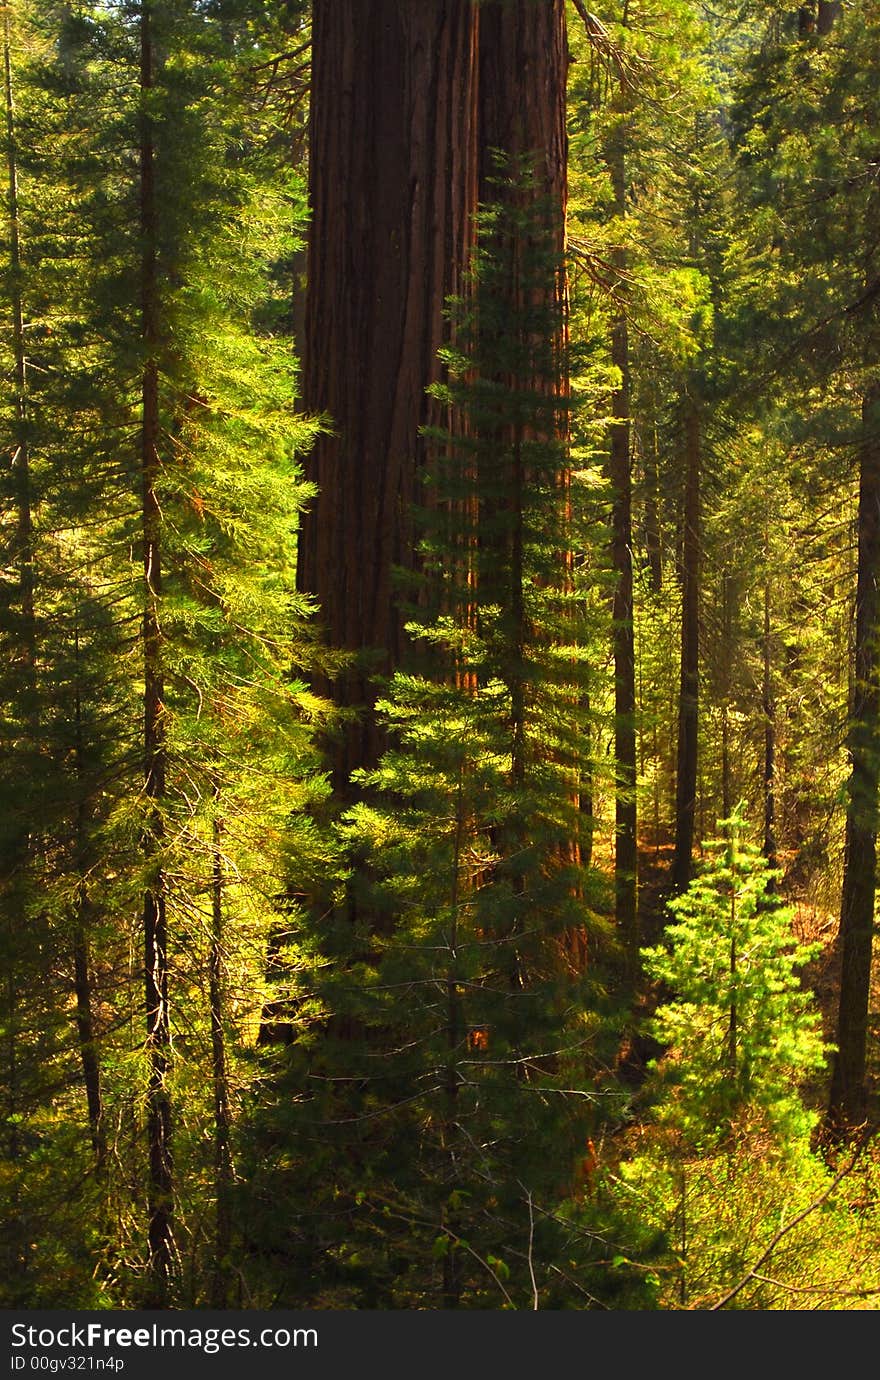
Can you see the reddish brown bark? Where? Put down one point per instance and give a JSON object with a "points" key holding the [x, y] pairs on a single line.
{"points": [[392, 157], [394, 183], [523, 74], [523, 152]]}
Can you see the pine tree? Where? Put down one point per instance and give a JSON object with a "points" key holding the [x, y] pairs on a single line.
{"points": [[465, 996], [738, 1025], [823, 317], [166, 427]]}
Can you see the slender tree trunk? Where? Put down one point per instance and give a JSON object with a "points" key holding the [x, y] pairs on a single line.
{"points": [[828, 12], [82, 977], [725, 684], [454, 1037], [585, 794], [732, 1019], [11, 1080], [653, 545], [623, 627], [769, 712], [24, 535], [220, 1282], [160, 1192], [688, 700], [392, 187], [17, 1250], [848, 1098], [86, 1031]]}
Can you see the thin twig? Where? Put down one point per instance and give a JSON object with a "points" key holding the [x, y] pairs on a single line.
{"points": [[731, 1294], [531, 1252]]}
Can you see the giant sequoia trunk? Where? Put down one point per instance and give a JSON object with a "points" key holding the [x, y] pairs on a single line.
{"points": [[523, 154], [392, 185], [523, 73], [523, 157]]}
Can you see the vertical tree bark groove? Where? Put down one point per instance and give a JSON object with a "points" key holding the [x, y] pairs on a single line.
{"points": [[155, 929], [392, 187], [689, 690], [523, 73]]}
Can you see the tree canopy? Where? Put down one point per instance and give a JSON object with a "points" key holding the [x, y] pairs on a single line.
{"points": [[439, 688]]}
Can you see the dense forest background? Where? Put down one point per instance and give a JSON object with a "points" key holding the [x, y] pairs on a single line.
{"points": [[440, 465]]}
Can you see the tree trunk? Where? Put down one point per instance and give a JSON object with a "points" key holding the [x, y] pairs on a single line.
{"points": [[688, 700], [26, 649], [24, 536], [82, 977], [392, 187], [220, 1282], [848, 1099], [653, 540], [623, 628], [85, 1026], [160, 1191], [828, 12], [452, 1283], [523, 70], [523, 76], [769, 711], [807, 19], [726, 657]]}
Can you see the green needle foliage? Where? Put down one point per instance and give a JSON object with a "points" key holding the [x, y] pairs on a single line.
{"points": [[238, 768], [461, 1027], [740, 1028]]}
